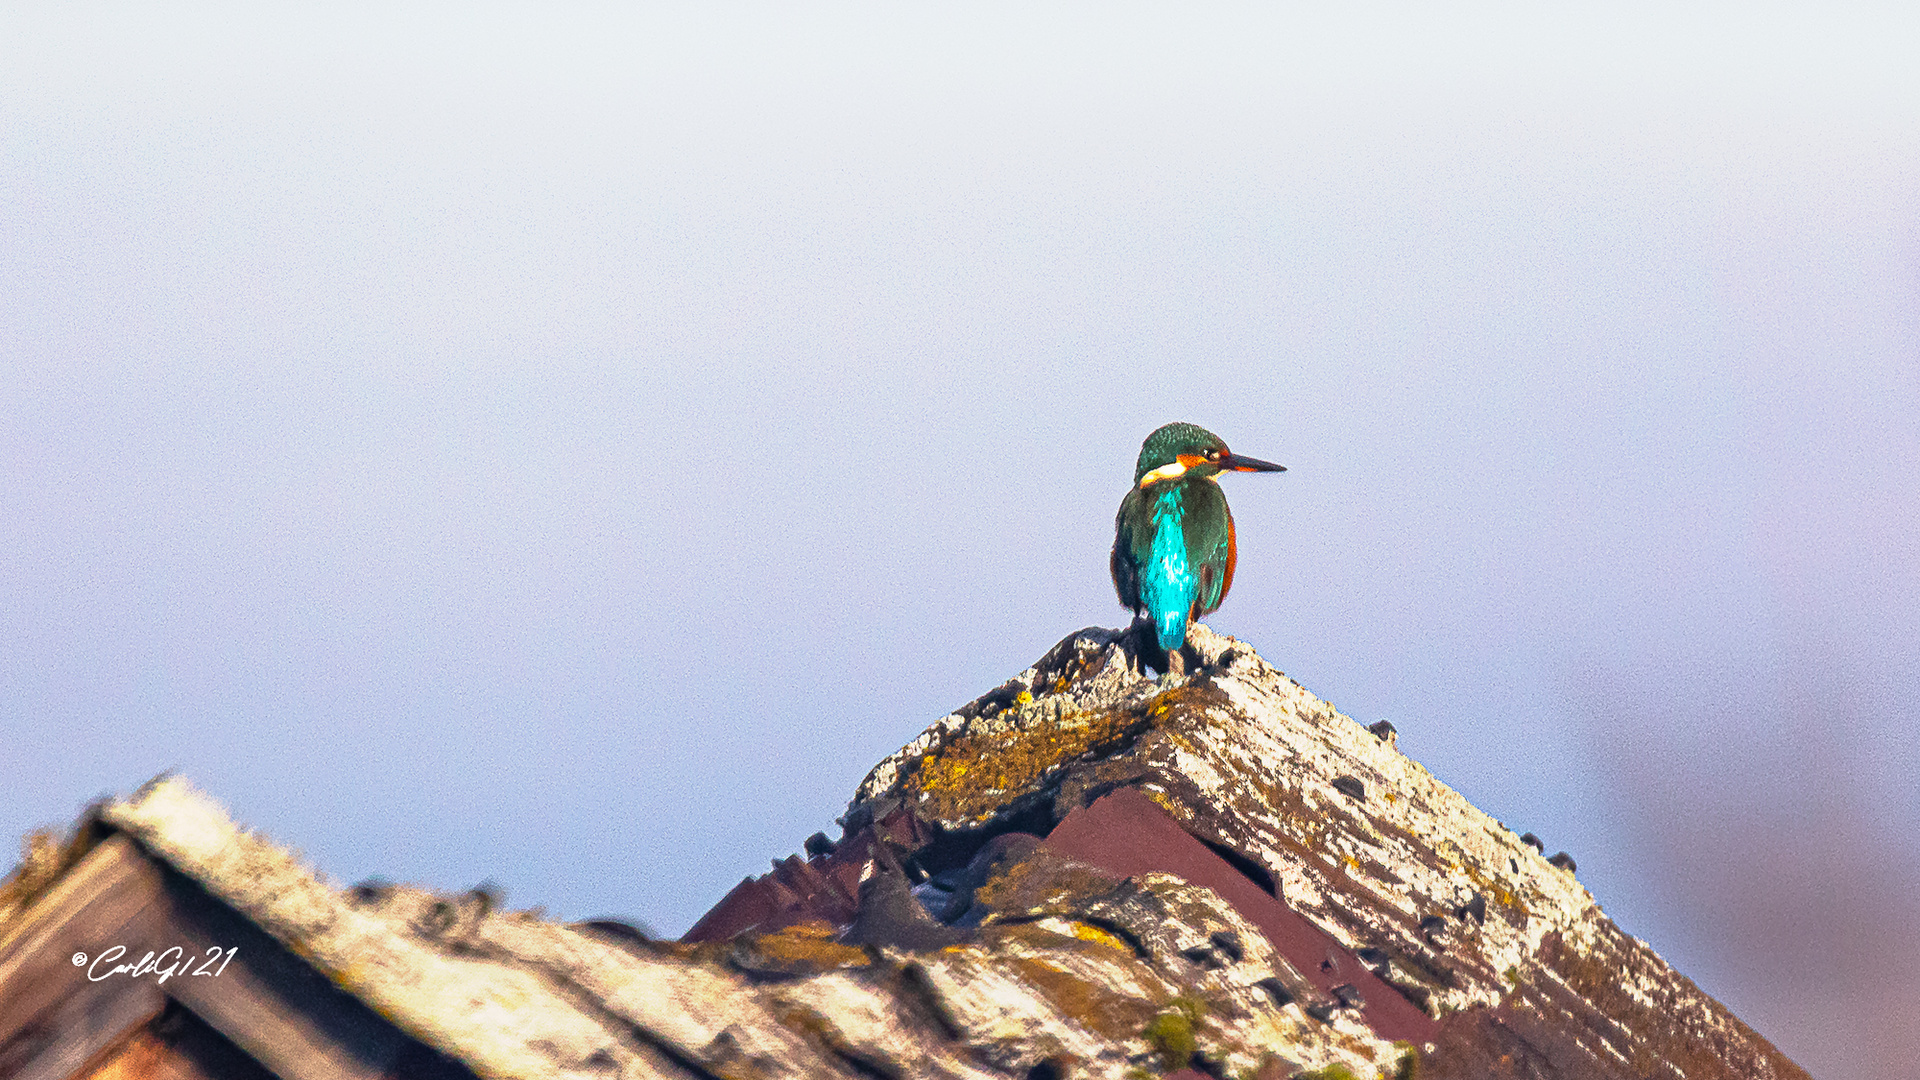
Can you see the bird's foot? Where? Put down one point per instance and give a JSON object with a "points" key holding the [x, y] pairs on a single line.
{"points": [[1176, 661], [1143, 649]]}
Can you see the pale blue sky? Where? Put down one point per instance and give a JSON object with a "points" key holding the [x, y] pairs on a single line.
{"points": [[567, 449]]}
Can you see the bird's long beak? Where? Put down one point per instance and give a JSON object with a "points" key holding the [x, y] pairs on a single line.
{"points": [[1246, 464]]}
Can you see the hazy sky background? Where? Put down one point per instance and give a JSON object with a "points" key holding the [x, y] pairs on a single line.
{"points": [[569, 447]]}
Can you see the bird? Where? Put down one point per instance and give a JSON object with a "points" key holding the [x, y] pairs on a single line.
{"points": [[1173, 543]]}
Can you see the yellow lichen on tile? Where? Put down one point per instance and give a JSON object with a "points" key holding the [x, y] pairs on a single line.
{"points": [[1090, 932], [1085, 1001], [970, 774]]}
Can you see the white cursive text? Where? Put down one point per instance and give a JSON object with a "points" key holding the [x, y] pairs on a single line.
{"points": [[163, 966]]}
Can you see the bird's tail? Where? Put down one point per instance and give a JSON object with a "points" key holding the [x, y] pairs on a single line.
{"points": [[1170, 628]]}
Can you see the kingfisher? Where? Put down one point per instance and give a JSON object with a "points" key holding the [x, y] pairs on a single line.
{"points": [[1173, 547]]}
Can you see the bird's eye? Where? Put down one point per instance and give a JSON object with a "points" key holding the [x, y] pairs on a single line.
{"points": [[1213, 455]]}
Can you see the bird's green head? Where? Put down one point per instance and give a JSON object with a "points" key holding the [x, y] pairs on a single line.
{"points": [[1177, 450]]}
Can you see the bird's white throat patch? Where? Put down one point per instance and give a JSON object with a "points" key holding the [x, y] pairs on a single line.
{"points": [[1165, 472]]}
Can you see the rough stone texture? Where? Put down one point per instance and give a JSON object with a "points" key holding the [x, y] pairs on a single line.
{"points": [[1086, 873], [1523, 972]]}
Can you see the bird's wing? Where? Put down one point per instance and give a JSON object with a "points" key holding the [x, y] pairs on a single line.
{"points": [[1216, 569], [1123, 563]]}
